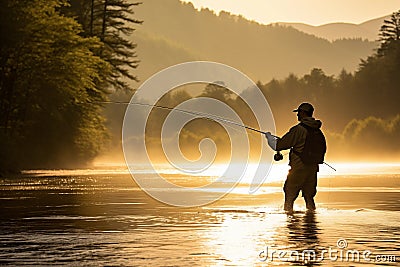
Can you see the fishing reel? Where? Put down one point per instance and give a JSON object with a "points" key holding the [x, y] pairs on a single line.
{"points": [[278, 156]]}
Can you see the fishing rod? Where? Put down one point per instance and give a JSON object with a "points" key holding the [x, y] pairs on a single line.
{"points": [[207, 115], [277, 157]]}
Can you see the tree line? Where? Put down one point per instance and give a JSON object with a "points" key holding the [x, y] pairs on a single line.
{"points": [[58, 60], [360, 110]]}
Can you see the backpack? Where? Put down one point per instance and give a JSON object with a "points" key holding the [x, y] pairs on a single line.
{"points": [[314, 147]]}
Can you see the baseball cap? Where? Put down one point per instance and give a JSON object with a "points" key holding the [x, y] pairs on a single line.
{"points": [[307, 107]]}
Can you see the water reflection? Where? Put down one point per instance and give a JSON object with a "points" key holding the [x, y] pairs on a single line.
{"points": [[303, 230], [106, 220], [303, 238]]}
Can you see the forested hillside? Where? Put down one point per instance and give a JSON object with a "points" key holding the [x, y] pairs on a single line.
{"points": [[262, 52]]}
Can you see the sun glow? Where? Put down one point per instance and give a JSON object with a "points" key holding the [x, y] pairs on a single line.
{"points": [[313, 12]]}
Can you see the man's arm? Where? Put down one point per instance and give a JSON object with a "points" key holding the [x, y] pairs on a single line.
{"points": [[286, 142]]}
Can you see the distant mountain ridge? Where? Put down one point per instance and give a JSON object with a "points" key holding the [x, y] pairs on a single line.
{"points": [[174, 32], [332, 31]]}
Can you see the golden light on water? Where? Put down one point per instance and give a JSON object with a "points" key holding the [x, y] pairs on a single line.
{"points": [[278, 172], [241, 237], [101, 167]]}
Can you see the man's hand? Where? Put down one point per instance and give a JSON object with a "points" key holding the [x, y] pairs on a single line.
{"points": [[268, 134], [271, 140]]}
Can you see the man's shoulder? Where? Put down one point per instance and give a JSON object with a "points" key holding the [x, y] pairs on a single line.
{"points": [[298, 127]]}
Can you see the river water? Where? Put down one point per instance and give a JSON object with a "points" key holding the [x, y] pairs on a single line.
{"points": [[101, 218]]}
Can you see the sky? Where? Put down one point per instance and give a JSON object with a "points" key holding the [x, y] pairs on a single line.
{"points": [[313, 12]]}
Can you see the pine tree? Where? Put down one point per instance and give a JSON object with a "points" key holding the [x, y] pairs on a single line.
{"points": [[389, 34], [112, 22]]}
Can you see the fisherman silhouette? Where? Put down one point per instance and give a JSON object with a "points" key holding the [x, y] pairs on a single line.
{"points": [[304, 157]]}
